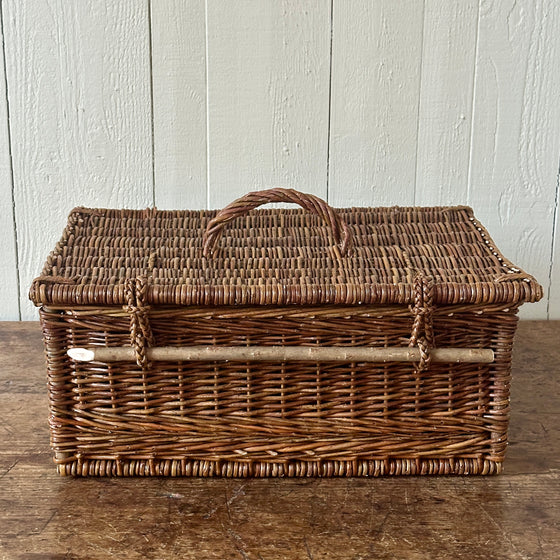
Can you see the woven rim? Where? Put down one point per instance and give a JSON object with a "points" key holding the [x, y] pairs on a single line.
{"points": [[101, 249]]}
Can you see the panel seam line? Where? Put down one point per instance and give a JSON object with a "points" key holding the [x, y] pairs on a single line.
{"points": [[9, 131], [420, 73], [207, 105], [553, 244], [473, 102], [330, 103], [152, 102]]}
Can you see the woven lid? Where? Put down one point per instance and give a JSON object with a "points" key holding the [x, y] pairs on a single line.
{"points": [[313, 255]]}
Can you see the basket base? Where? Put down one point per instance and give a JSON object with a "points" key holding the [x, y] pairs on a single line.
{"points": [[261, 469]]}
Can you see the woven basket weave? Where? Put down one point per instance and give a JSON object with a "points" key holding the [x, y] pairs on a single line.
{"points": [[295, 284]]}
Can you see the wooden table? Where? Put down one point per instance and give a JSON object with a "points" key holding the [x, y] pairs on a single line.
{"points": [[514, 515]]}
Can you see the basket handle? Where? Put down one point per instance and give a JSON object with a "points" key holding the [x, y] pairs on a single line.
{"points": [[311, 203]]}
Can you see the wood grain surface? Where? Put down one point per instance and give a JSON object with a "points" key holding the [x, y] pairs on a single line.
{"points": [[512, 516], [377, 56], [9, 296], [445, 111], [268, 97], [80, 119], [553, 299], [179, 103], [515, 108], [190, 104]]}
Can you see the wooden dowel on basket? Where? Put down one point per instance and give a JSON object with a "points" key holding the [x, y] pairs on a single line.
{"points": [[281, 354]]}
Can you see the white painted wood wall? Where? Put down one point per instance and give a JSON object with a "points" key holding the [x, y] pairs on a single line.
{"points": [[191, 103]]}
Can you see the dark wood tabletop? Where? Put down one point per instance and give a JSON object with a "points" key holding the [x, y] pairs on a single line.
{"points": [[514, 515]]}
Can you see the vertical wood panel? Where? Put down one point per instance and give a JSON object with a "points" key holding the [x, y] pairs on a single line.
{"points": [[79, 94], [400, 115], [9, 302], [179, 89], [444, 133], [268, 91], [516, 131], [554, 283], [377, 48]]}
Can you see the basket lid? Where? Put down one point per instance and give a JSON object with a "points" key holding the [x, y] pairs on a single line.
{"points": [[313, 255]]}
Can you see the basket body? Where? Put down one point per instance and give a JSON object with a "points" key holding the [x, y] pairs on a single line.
{"points": [[277, 418]]}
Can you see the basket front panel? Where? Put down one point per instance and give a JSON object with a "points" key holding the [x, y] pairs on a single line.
{"points": [[273, 412]]}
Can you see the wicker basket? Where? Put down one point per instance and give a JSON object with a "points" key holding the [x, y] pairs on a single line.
{"points": [[279, 342]]}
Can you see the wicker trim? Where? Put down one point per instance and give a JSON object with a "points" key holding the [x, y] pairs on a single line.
{"points": [[279, 257], [49, 292], [141, 335], [340, 231], [422, 329], [262, 469]]}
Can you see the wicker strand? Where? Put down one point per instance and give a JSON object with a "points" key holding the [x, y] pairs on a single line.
{"points": [[141, 335], [340, 230], [422, 334]]}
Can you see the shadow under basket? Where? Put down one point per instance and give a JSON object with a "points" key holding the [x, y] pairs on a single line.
{"points": [[256, 343]]}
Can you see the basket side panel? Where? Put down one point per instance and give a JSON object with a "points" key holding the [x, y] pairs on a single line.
{"points": [[57, 338]]}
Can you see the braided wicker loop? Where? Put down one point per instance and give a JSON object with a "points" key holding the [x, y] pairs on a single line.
{"points": [[422, 334], [141, 336], [311, 203]]}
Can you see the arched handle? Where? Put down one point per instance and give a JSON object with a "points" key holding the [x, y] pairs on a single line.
{"points": [[311, 203]]}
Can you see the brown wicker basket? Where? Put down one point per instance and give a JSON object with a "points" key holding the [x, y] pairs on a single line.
{"points": [[279, 342]]}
